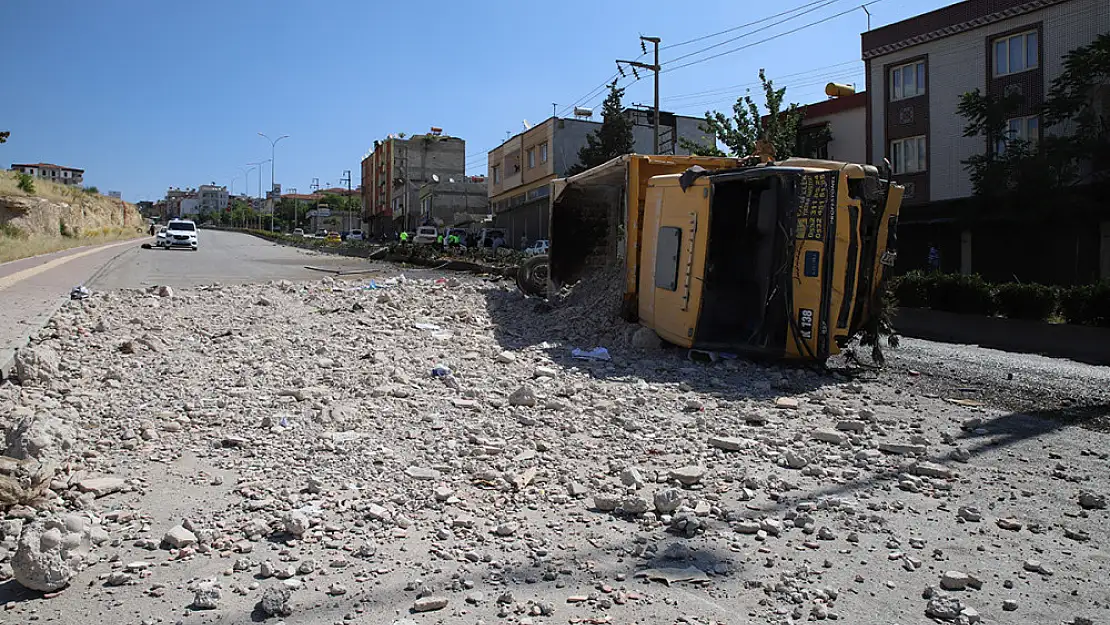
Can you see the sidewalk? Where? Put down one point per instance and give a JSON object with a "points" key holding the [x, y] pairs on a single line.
{"points": [[32, 290]]}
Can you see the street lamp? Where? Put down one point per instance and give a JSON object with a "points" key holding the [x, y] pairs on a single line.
{"points": [[260, 164], [273, 150], [293, 192], [247, 183]]}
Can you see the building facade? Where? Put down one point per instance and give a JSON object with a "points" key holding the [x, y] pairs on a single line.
{"points": [[846, 120], [521, 169], [53, 173], [453, 200], [211, 198], [917, 70], [394, 172]]}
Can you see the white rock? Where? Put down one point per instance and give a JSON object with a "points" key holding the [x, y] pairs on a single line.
{"points": [[178, 537], [207, 595]]}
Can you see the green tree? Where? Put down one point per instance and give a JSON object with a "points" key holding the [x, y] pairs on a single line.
{"points": [[4, 136], [741, 132], [613, 139], [1010, 165]]}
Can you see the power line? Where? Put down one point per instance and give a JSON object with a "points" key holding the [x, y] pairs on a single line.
{"points": [[765, 40], [752, 84], [796, 15], [735, 28]]}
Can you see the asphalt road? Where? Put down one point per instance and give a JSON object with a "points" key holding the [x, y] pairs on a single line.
{"points": [[32, 289]]}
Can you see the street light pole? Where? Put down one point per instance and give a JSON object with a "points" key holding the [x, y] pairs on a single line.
{"points": [[273, 150], [247, 184], [293, 192]]}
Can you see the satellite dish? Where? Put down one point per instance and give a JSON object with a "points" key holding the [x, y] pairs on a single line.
{"points": [[435, 177], [527, 126], [451, 180]]}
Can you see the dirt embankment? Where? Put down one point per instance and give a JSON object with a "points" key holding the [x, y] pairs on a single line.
{"points": [[53, 217]]}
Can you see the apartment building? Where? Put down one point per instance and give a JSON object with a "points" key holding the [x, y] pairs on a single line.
{"points": [[845, 118], [453, 200], [521, 169], [398, 166], [918, 68], [53, 173], [211, 198]]}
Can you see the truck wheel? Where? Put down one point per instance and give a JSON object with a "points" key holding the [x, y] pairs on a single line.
{"points": [[531, 276]]}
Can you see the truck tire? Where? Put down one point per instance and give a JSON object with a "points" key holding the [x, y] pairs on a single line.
{"points": [[531, 276]]}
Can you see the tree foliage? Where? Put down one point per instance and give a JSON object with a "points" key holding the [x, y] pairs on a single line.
{"points": [[613, 139], [4, 136], [741, 132], [1014, 166]]}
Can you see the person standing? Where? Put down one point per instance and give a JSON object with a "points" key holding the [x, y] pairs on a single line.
{"points": [[934, 258]]}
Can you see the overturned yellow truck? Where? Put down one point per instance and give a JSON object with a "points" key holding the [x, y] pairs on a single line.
{"points": [[785, 260]]}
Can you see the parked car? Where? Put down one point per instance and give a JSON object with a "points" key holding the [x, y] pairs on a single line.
{"points": [[322, 233], [426, 235], [298, 232], [333, 237], [355, 235], [160, 237], [181, 233], [538, 248]]}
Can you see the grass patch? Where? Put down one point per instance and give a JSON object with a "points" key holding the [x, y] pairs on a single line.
{"points": [[17, 244]]}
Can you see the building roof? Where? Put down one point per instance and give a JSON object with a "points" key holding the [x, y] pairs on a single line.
{"points": [[836, 105], [944, 22], [309, 197], [46, 166]]}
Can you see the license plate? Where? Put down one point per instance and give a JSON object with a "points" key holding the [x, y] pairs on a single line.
{"points": [[888, 258], [805, 322]]}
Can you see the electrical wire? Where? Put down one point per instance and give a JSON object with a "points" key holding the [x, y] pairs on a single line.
{"points": [[735, 28], [823, 4], [766, 39]]}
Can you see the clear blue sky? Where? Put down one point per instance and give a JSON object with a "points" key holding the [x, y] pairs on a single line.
{"points": [[145, 95]]}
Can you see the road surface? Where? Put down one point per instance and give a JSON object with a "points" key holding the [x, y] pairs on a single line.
{"points": [[31, 289]]}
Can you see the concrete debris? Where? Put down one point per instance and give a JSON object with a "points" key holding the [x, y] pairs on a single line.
{"points": [[206, 596], [275, 601], [310, 440], [50, 553]]}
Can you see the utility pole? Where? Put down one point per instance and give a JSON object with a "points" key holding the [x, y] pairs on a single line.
{"points": [[554, 109], [347, 179], [654, 68]]}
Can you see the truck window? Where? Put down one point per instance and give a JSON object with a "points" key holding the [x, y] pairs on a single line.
{"points": [[666, 258]]}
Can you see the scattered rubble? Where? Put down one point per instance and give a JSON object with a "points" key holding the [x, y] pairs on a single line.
{"points": [[427, 446]]}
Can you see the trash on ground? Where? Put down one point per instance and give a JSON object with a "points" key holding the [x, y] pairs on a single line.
{"points": [[79, 292], [597, 353]]}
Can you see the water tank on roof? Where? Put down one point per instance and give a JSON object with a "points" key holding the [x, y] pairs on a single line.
{"points": [[838, 90], [583, 112]]}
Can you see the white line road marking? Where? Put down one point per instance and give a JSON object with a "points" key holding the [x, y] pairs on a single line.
{"points": [[19, 276]]}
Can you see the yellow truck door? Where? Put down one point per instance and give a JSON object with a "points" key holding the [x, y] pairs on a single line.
{"points": [[673, 257]]}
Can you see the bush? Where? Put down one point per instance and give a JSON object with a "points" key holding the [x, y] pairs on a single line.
{"points": [[1026, 301], [912, 289], [960, 294], [1087, 304], [92, 190], [26, 183]]}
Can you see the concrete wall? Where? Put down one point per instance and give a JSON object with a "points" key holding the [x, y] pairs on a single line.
{"points": [[449, 199], [849, 134], [960, 63]]}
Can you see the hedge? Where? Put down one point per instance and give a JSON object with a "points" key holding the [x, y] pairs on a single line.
{"points": [[1087, 304]]}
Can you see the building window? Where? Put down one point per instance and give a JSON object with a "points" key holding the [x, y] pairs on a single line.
{"points": [[1020, 129], [496, 169], [531, 158], [908, 155], [543, 152], [907, 81], [1015, 53], [667, 248]]}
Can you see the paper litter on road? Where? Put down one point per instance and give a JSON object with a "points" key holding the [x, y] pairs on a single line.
{"points": [[597, 353], [430, 327]]}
